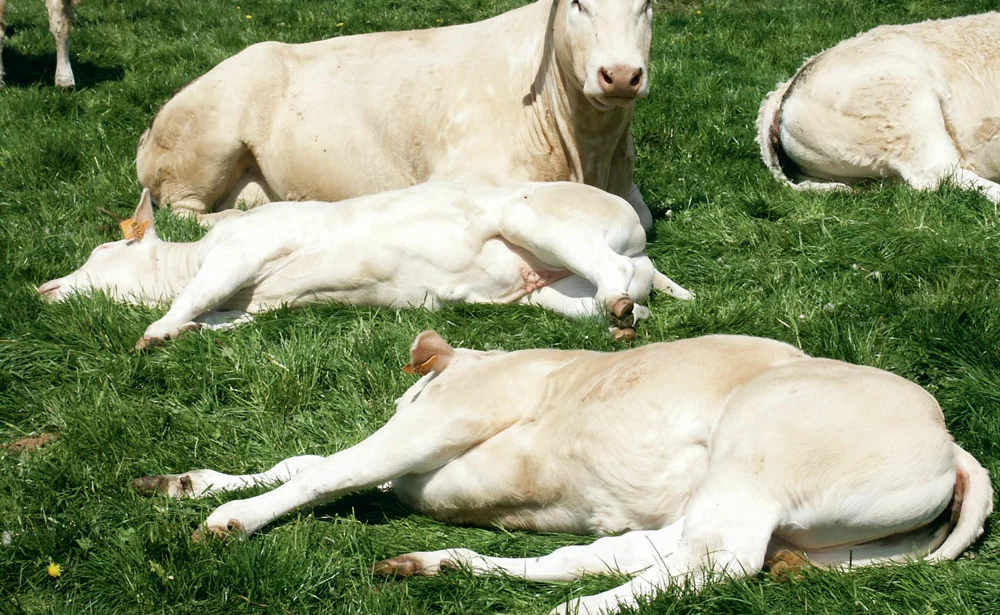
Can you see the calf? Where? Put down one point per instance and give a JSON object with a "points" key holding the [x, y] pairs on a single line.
{"points": [[60, 24], [711, 454], [916, 102], [542, 93], [567, 247]]}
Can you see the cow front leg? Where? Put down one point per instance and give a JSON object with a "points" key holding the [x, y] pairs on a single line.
{"points": [[203, 483], [419, 438], [628, 553], [223, 271], [60, 25]]}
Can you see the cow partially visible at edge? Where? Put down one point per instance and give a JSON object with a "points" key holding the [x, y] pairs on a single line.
{"points": [[916, 102], [544, 92]]}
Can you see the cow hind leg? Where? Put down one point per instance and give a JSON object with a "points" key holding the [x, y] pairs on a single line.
{"points": [[60, 25], [727, 528], [629, 553]]}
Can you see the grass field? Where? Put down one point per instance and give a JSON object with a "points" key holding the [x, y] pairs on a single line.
{"points": [[886, 277]]}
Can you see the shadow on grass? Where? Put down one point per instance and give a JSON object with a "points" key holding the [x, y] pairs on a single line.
{"points": [[370, 507], [27, 70]]}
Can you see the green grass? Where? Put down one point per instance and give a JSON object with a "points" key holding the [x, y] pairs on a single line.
{"points": [[886, 277]]}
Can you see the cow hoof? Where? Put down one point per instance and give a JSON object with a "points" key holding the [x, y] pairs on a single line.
{"points": [[400, 567], [786, 565], [233, 529], [623, 334], [148, 342], [151, 485], [622, 314]]}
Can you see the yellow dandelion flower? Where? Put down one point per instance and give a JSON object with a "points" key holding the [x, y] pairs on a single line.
{"points": [[54, 570], [697, 12], [340, 24], [249, 16]]}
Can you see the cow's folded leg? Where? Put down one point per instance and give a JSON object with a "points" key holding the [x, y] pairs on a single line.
{"points": [[203, 483], [628, 553]]}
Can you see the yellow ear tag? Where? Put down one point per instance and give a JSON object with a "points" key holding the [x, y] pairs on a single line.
{"points": [[423, 369], [133, 229]]}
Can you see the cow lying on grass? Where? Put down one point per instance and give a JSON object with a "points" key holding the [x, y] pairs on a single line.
{"points": [[60, 24], [917, 102], [568, 247], [542, 93], [710, 455]]}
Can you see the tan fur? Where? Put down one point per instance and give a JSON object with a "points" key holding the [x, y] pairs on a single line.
{"points": [[513, 99]]}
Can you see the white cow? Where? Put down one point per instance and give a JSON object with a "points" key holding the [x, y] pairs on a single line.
{"points": [[919, 102], [60, 24], [541, 93], [707, 455], [568, 247]]}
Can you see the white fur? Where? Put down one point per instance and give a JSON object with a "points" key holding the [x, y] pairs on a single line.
{"points": [[916, 102], [60, 25], [428, 245], [707, 455], [511, 99]]}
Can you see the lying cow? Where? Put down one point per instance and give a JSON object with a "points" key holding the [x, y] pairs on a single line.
{"points": [[917, 102], [708, 454], [568, 247], [541, 93], [60, 24]]}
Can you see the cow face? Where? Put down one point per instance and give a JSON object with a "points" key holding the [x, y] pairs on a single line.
{"points": [[118, 267], [603, 45]]}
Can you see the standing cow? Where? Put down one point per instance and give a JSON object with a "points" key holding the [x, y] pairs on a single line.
{"points": [[917, 102], [60, 24], [542, 93]]}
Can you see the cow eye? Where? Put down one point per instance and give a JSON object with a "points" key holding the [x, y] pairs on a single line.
{"points": [[648, 8], [576, 4]]}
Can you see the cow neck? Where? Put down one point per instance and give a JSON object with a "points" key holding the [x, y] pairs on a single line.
{"points": [[173, 266], [567, 120]]}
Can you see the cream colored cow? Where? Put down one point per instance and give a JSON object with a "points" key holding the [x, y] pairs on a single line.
{"points": [[919, 102], [706, 455], [60, 24], [541, 93], [568, 247]]}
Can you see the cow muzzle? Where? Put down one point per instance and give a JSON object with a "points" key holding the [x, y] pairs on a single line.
{"points": [[621, 82]]}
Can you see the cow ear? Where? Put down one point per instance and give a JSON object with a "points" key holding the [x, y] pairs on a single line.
{"points": [[428, 353], [141, 226]]}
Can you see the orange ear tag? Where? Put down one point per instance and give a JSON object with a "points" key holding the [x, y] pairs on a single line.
{"points": [[423, 369], [133, 229]]}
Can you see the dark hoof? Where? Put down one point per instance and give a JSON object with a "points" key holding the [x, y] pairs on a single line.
{"points": [[151, 485], [620, 313], [626, 334], [400, 567]]}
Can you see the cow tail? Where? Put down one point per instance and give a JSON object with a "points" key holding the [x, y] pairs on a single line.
{"points": [[769, 132], [971, 505]]}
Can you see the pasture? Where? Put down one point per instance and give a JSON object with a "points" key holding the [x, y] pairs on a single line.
{"points": [[884, 276]]}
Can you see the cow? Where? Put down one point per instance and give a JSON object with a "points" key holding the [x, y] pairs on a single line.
{"points": [[568, 247], [60, 24], [701, 456], [914, 102], [544, 92]]}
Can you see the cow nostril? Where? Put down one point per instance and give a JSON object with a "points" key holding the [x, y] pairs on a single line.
{"points": [[607, 78], [637, 78]]}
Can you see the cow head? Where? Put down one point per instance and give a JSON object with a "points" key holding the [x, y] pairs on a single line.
{"points": [[603, 47], [119, 267]]}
